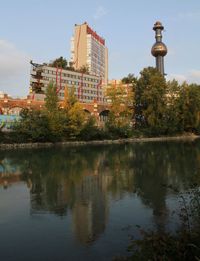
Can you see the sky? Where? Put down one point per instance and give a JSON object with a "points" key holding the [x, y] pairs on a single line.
{"points": [[40, 30]]}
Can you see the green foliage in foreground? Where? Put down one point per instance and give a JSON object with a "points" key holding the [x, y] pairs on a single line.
{"points": [[183, 245]]}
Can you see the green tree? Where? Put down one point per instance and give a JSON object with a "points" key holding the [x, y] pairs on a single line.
{"points": [[33, 126], [150, 98], [90, 131], [189, 107], [84, 69], [69, 98], [173, 112], [56, 116], [121, 109], [60, 63], [51, 99], [129, 79], [75, 119]]}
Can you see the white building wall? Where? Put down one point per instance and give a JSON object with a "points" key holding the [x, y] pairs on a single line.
{"points": [[87, 87]]}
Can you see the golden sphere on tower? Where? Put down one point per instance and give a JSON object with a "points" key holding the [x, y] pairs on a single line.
{"points": [[159, 49]]}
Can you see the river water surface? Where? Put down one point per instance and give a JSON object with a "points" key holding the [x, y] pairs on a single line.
{"points": [[84, 203]]}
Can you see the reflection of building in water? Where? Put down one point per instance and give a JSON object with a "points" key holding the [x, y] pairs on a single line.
{"points": [[90, 212], [49, 196], [56, 191], [82, 189], [9, 173], [9, 179]]}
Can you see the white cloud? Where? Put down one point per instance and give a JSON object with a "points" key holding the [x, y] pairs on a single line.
{"points": [[14, 69], [192, 76], [100, 12]]}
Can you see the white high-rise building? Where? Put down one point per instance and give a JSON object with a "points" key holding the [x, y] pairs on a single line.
{"points": [[88, 49]]}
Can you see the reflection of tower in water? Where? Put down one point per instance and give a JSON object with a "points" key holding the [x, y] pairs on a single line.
{"points": [[150, 180]]}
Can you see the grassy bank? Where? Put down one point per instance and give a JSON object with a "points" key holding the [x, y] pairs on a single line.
{"points": [[95, 142]]}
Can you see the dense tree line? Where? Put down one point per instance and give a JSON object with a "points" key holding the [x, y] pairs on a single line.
{"points": [[144, 106], [54, 123], [165, 108]]}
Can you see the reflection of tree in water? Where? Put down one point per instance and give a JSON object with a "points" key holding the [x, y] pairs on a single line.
{"points": [[148, 168], [149, 164], [55, 182], [68, 179], [80, 179], [158, 165], [118, 165]]}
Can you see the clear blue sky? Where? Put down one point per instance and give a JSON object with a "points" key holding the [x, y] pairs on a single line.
{"points": [[41, 30]]}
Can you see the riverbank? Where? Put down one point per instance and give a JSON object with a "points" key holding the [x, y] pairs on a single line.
{"points": [[191, 137]]}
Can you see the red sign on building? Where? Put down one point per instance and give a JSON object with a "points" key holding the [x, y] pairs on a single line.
{"points": [[95, 35]]}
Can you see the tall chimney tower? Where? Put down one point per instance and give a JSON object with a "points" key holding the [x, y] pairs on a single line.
{"points": [[159, 49]]}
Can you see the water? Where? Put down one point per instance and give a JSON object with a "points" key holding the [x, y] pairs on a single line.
{"points": [[84, 203]]}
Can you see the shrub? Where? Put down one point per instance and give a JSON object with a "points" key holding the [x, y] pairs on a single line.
{"points": [[33, 127]]}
